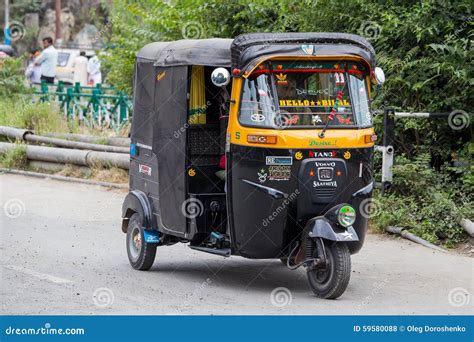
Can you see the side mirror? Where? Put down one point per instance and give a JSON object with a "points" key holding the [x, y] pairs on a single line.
{"points": [[220, 77], [379, 76]]}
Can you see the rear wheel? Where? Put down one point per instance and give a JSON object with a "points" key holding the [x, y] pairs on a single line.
{"points": [[331, 281], [140, 253]]}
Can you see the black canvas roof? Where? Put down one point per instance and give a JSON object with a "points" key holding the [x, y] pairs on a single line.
{"points": [[248, 47], [241, 51], [212, 52]]}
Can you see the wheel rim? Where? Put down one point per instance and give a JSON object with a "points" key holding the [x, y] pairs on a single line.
{"points": [[135, 243]]}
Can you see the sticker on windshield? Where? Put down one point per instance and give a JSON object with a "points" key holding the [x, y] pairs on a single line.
{"points": [[256, 117], [307, 49], [281, 79], [307, 103], [316, 119], [343, 120]]}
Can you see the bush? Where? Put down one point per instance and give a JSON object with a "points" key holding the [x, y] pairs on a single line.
{"points": [[12, 78], [427, 202], [15, 158]]}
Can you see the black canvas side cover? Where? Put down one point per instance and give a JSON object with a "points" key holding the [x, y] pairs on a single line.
{"points": [[169, 145], [143, 102]]}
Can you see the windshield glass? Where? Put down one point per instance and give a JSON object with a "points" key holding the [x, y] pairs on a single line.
{"points": [[302, 94], [63, 57]]}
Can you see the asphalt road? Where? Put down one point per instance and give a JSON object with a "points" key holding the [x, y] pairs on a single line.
{"points": [[63, 252]]}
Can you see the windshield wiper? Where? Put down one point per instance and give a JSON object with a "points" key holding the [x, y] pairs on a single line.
{"points": [[331, 115]]}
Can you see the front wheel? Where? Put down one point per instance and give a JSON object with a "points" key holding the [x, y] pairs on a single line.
{"points": [[331, 281], [140, 253]]}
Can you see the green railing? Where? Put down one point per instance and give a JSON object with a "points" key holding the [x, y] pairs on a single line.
{"points": [[93, 106]]}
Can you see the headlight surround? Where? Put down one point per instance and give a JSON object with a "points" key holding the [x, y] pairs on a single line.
{"points": [[346, 216]]}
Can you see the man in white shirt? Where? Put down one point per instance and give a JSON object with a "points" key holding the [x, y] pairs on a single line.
{"points": [[80, 69], [48, 59], [93, 68]]}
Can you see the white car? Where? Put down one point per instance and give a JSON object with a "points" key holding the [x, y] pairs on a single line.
{"points": [[65, 69]]}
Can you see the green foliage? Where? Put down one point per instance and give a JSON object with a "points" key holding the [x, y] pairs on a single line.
{"points": [[15, 158], [12, 78], [429, 203]]}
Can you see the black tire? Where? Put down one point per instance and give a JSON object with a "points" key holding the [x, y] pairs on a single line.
{"points": [[331, 282], [140, 254]]}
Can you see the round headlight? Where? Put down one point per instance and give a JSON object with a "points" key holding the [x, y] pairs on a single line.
{"points": [[346, 216]]}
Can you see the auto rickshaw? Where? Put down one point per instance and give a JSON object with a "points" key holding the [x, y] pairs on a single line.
{"points": [[259, 146]]}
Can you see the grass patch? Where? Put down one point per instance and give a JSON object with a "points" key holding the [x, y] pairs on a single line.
{"points": [[112, 175], [21, 112], [15, 158]]}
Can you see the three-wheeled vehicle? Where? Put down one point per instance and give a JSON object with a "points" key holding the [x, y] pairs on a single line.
{"points": [[260, 147]]}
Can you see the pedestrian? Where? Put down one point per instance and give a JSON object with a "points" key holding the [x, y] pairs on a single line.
{"points": [[33, 72], [80, 69], [48, 59], [93, 68]]}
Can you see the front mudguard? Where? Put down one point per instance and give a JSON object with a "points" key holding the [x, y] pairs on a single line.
{"points": [[321, 227]]}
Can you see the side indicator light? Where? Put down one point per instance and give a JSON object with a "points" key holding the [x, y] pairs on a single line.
{"points": [[370, 138]]}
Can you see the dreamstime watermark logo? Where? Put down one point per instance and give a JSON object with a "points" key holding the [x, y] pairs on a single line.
{"points": [[17, 30], [369, 207], [266, 221], [198, 289], [377, 288], [280, 297], [370, 30], [458, 297], [192, 208], [192, 30], [458, 119], [14, 208], [103, 297]]}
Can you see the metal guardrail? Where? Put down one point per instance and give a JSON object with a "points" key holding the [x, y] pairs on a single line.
{"points": [[387, 148], [95, 106]]}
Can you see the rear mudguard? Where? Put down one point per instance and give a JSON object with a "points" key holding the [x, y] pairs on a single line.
{"points": [[321, 227], [137, 202]]}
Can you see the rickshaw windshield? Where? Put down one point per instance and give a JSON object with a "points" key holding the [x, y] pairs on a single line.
{"points": [[302, 95]]}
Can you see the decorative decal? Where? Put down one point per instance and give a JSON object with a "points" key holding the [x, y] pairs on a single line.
{"points": [[160, 75], [315, 119], [278, 160], [279, 173], [308, 49], [317, 154], [325, 175], [144, 169], [307, 103], [192, 172], [262, 176], [299, 155], [312, 92], [256, 117], [314, 142], [237, 135], [293, 120], [347, 155], [281, 79], [342, 120]]}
